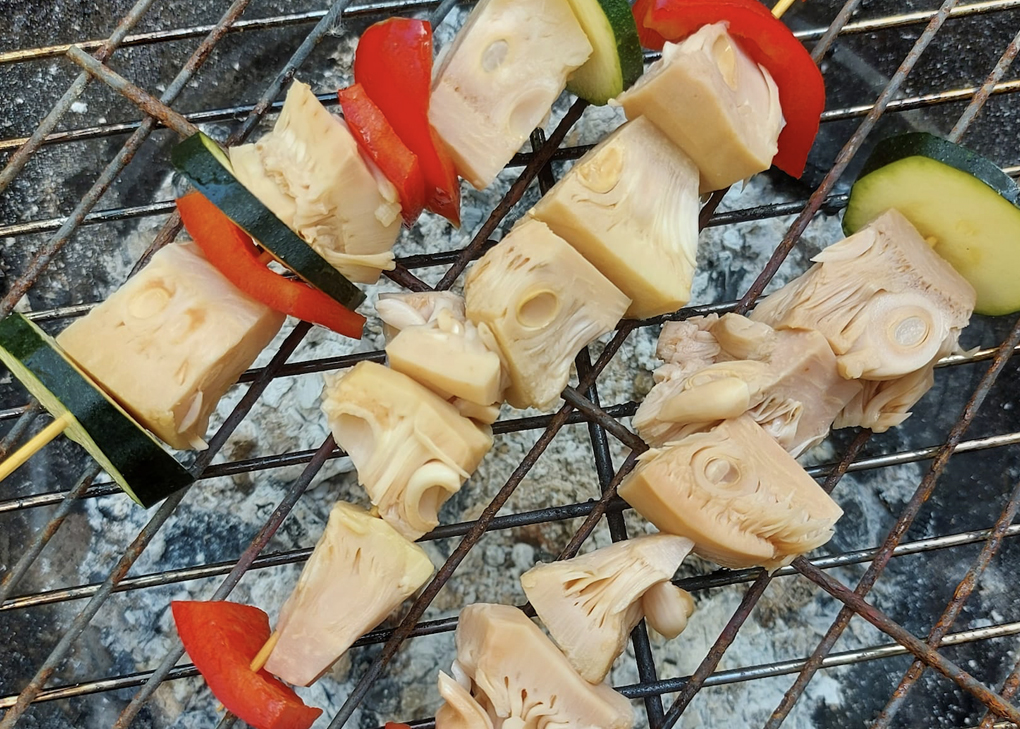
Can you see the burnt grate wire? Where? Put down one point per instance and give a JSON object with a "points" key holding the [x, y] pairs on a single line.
{"points": [[582, 403]]}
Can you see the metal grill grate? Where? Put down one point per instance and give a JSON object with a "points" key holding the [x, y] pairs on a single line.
{"points": [[582, 403]]}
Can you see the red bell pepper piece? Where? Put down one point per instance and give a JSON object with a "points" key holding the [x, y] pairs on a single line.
{"points": [[222, 639], [652, 40], [392, 725], [393, 63], [232, 251], [376, 137], [768, 42]]}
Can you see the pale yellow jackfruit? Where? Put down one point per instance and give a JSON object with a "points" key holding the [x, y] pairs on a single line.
{"points": [[411, 448], [590, 603], [521, 680], [786, 380], [310, 173], [736, 494], [433, 342], [171, 341], [713, 102], [645, 243], [543, 303], [689, 343], [359, 572], [415, 309], [885, 404], [667, 608], [459, 709], [499, 78], [884, 300]]}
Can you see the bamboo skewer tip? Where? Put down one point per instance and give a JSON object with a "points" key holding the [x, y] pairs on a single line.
{"points": [[781, 7], [44, 436], [263, 655]]}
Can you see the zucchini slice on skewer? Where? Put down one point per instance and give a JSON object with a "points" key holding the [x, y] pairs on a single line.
{"points": [[206, 166], [125, 450], [966, 206], [616, 59]]}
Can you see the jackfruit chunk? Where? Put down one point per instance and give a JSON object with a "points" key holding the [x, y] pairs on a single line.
{"points": [[499, 78], [885, 404], [884, 300], [171, 341], [644, 243], [590, 603], [520, 679], [411, 448], [786, 380], [415, 309], [359, 572], [667, 608], [459, 709], [543, 303], [713, 102], [309, 172], [736, 494], [434, 343]]}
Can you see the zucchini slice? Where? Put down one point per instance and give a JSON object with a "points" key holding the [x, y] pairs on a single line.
{"points": [[963, 203], [616, 60], [206, 166], [125, 450]]}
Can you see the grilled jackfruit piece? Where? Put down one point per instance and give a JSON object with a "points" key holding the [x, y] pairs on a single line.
{"points": [[415, 309], [169, 343], [885, 404], [359, 572], [309, 172], [713, 102], [689, 342], [644, 243], [543, 302], [590, 603], [736, 494], [786, 380], [411, 448], [459, 709], [498, 80], [884, 300], [520, 680], [667, 608], [433, 342]]}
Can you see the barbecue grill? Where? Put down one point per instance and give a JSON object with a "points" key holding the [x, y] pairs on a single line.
{"points": [[919, 589]]}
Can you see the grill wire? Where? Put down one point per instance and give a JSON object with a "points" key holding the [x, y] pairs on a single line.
{"points": [[582, 404]]}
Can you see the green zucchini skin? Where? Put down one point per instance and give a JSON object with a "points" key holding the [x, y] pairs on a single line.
{"points": [[963, 202], [923, 144], [147, 473], [612, 32], [195, 159]]}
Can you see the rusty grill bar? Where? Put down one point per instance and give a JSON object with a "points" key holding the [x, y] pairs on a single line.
{"points": [[582, 404]]}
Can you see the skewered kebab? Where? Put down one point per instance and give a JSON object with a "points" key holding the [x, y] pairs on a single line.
{"points": [[539, 307], [886, 303]]}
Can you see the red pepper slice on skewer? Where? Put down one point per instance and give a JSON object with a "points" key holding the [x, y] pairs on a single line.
{"points": [[376, 137], [222, 639], [768, 42], [393, 63], [232, 251]]}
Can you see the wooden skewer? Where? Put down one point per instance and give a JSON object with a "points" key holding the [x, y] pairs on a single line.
{"points": [[26, 451], [781, 7], [263, 655]]}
